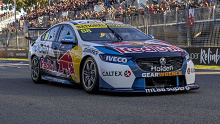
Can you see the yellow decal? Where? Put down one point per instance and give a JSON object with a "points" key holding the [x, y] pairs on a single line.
{"points": [[86, 31], [100, 25], [102, 34], [177, 73], [93, 25], [76, 54], [162, 74]]}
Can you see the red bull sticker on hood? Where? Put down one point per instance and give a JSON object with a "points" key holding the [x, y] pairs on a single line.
{"points": [[149, 42], [147, 49]]}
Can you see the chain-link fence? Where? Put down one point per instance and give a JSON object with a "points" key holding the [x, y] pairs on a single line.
{"points": [[13, 40], [173, 27], [176, 26]]}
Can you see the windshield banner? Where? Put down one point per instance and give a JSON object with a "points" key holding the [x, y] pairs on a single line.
{"points": [[101, 25]]}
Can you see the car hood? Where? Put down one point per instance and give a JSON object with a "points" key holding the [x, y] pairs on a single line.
{"points": [[148, 48]]}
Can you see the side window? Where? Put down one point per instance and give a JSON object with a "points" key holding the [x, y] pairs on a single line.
{"points": [[51, 34], [66, 31]]}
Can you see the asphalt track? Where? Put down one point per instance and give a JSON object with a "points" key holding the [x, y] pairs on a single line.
{"points": [[23, 102]]}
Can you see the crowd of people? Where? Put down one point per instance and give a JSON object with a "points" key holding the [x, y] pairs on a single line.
{"points": [[93, 9], [6, 14]]}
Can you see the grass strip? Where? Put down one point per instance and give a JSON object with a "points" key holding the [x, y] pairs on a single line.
{"points": [[13, 59], [207, 67]]}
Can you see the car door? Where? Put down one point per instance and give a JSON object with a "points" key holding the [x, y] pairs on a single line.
{"points": [[66, 42], [47, 45]]}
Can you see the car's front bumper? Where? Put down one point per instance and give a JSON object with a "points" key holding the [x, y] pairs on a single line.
{"points": [[151, 90]]}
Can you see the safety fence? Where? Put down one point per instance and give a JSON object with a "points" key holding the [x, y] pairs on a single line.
{"points": [[13, 40], [175, 28]]}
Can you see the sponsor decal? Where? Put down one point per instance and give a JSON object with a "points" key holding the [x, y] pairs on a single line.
{"points": [[66, 64], [94, 25], [149, 42], [115, 59], [146, 49], [43, 48], [112, 73], [100, 25], [190, 70], [127, 73], [163, 74], [170, 89], [91, 50], [162, 68], [48, 65]]}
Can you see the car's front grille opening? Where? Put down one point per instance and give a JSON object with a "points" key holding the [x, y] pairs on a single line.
{"points": [[163, 82], [154, 65]]}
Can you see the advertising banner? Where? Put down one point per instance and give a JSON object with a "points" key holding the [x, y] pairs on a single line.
{"points": [[205, 55], [0, 53], [14, 54]]}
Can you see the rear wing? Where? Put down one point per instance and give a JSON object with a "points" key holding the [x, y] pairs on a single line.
{"points": [[38, 28], [33, 33]]}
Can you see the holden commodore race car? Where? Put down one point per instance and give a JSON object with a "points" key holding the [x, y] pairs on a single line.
{"points": [[109, 56]]}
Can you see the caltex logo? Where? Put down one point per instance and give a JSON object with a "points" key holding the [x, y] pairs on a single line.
{"points": [[127, 73]]}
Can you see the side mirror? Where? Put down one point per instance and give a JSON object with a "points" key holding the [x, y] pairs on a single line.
{"points": [[151, 36], [68, 40]]}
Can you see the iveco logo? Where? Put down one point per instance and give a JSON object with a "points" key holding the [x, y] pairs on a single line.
{"points": [[163, 61]]}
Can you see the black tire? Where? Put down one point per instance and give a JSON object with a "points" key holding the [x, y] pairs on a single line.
{"points": [[90, 74], [35, 71]]}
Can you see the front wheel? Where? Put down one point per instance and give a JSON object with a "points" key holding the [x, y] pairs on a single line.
{"points": [[90, 75], [35, 71]]}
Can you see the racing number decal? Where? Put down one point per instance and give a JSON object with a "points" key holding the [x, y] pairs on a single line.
{"points": [[102, 34], [86, 31]]}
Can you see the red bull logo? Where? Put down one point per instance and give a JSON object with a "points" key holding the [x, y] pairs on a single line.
{"points": [[48, 65], [66, 64]]}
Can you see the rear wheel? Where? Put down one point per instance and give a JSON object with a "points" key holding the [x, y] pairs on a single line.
{"points": [[35, 71], [90, 75]]}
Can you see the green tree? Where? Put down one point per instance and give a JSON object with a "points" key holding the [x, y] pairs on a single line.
{"points": [[25, 4]]}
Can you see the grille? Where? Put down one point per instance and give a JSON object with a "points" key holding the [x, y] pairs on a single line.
{"points": [[164, 82], [153, 64]]}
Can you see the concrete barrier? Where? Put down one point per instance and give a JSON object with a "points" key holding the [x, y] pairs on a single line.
{"points": [[0, 53], [14, 54]]}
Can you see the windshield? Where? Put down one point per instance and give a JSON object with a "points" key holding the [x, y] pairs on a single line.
{"points": [[111, 34]]}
